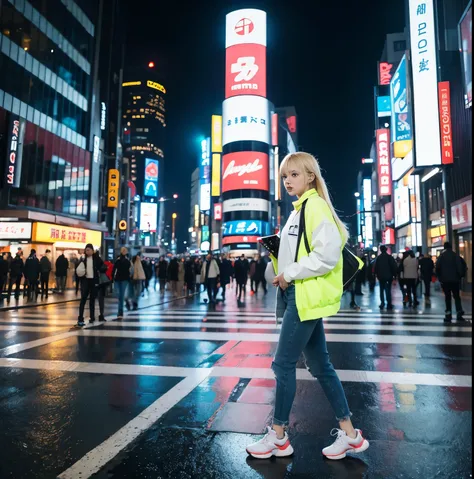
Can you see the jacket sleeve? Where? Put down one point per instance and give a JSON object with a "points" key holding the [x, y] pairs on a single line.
{"points": [[326, 247]]}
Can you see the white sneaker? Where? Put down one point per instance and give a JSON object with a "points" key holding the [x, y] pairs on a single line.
{"points": [[344, 444], [270, 446]]}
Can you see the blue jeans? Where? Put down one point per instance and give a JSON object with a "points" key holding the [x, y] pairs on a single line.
{"points": [[121, 290], [385, 287], [305, 337]]}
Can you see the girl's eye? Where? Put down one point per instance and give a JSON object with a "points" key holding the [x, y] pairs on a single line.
{"points": [[283, 177], [294, 175]]}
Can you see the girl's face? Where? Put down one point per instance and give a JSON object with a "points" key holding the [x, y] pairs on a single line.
{"points": [[295, 181]]}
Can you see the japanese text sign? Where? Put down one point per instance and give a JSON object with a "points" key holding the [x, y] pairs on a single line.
{"points": [[383, 162], [445, 122]]}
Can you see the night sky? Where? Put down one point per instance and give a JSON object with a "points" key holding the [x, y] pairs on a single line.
{"points": [[321, 58]]}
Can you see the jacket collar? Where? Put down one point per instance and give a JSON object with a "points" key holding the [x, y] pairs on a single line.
{"points": [[297, 204]]}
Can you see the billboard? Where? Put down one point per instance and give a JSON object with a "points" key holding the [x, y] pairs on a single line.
{"points": [[465, 47], [246, 26], [383, 106], [245, 170], [216, 134], [205, 175], [400, 110], [402, 206], [385, 72], [445, 123], [425, 82], [205, 197], [14, 151], [216, 175], [245, 227], [148, 216], [383, 162], [246, 117], [151, 178], [245, 70], [113, 189], [245, 204], [245, 241], [218, 211]]}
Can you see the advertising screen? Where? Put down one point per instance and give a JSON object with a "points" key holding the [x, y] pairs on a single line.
{"points": [[205, 197], [245, 170], [245, 70], [245, 204], [216, 134], [246, 227], [385, 72], [246, 117], [402, 206], [400, 110], [444, 92], [148, 216], [465, 40], [383, 162], [383, 106], [151, 178], [246, 26], [15, 230], [425, 83]]}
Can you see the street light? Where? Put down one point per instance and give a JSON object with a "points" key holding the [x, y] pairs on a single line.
{"points": [[173, 217]]}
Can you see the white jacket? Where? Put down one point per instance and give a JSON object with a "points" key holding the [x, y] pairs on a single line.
{"points": [[410, 268], [325, 252]]}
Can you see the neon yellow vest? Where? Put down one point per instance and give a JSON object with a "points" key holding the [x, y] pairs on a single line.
{"points": [[320, 296]]}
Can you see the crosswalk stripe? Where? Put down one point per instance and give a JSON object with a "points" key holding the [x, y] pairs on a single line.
{"points": [[269, 337]]}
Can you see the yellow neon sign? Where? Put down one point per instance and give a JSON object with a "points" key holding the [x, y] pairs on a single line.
{"points": [[132, 83], [156, 86]]}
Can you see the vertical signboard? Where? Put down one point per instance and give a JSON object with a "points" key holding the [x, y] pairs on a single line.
{"points": [[151, 178], [425, 83], [216, 175], [14, 151], [205, 175], [113, 189], [445, 123], [385, 72], [383, 162], [216, 134]]}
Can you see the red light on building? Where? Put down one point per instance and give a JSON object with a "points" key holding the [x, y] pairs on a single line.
{"points": [[291, 122], [151, 65], [385, 73]]}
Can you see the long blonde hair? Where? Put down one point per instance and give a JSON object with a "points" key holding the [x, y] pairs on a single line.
{"points": [[309, 164]]}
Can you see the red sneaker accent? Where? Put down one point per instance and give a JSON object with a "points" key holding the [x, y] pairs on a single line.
{"points": [[285, 446], [259, 453]]}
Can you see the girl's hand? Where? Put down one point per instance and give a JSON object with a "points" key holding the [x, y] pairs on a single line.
{"points": [[280, 281]]}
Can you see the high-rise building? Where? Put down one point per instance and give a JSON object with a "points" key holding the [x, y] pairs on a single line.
{"points": [[143, 126], [50, 159]]}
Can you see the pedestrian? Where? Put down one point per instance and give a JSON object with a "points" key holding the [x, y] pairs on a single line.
{"points": [[309, 281], [104, 282], [46, 267], [426, 274], [226, 272], [241, 271], [181, 273], [189, 277], [361, 276], [252, 269], [410, 277], [32, 274], [173, 269], [121, 276], [62, 266], [88, 270], [162, 274], [3, 274], [209, 275], [77, 281], [138, 278], [371, 272], [8, 259], [385, 269], [148, 269], [197, 271], [17, 268], [259, 277], [450, 269]]}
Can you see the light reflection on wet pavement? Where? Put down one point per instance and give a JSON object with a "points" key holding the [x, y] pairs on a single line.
{"points": [[63, 393]]}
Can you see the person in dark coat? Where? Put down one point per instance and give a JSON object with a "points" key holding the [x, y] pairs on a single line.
{"points": [[450, 269], [162, 274], [121, 276], [3, 274], [62, 265], [385, 269], [46, 267], [189, 276], [226, 272], [259, 277], [16, 273], [426, 273], [32, 273], [241, 271]]}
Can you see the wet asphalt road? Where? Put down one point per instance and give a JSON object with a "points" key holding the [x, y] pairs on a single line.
{"points": [[177, 390]]}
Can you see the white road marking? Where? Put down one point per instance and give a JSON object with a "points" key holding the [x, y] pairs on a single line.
{"points": [[347, 375], [98, 457], [15, 348]]}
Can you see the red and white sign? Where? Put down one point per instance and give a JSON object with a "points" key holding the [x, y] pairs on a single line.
{"points": [[388, 236], [385, 73], [245, 70], [246, 26], [444, 96], [246, 170], [15, 230], [461, 214], [218, 211], [274, 129], [239, 239], [383, 162], [13, 174]]}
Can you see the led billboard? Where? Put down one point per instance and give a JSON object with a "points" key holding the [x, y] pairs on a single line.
{"points": [[245, 170]]}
